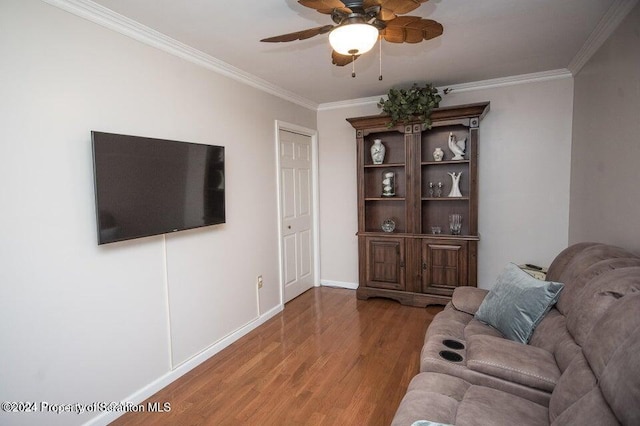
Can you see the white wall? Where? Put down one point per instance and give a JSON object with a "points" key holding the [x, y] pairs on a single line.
{"points": [[605, 200], [338, 195], [524, 156], [82, 323]]}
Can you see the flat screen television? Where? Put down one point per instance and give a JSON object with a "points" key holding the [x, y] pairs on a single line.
{"points": [[146, 186]]}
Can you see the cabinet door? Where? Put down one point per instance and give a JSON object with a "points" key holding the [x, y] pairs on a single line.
{"points": [[385, 263], [444, 266]]}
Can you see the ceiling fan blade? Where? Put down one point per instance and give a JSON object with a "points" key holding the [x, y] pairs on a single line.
{"points": [[325, 6], [299, 35], [389, 9], [411, 29], [342, 60]]}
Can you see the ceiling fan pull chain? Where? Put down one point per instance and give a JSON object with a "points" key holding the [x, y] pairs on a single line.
{"points": [[353, 66], [380, 51]]}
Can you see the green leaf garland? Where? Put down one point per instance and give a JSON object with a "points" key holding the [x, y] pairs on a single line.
{"points": [[403, 105]]}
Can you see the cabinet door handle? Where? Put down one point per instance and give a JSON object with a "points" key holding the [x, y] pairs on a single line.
{"points": [[402, 263], [424, 266]]}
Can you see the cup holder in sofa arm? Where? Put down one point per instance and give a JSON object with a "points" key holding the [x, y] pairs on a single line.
{"points": [[453, 344], [451, 356]]}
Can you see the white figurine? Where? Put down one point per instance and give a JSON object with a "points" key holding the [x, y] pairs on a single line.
{"points": [[455, 185], [388, 183], [457, 147]]}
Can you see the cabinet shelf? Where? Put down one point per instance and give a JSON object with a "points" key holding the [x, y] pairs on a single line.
{"points": [[445, 199], [444, 162], [384, 199], [373, 166]]}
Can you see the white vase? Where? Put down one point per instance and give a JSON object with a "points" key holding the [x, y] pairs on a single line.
{"points": [[455, 185], [438, 154], [377, 151]]}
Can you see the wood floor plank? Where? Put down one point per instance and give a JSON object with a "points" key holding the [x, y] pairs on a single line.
{"points": [[327, 359]]}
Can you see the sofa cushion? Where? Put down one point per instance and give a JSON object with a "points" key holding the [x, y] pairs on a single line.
{"points": [[450, 400], [486, 406], [512, 361], [574, 384], [517, 303], [431, 396], [552, 335]]}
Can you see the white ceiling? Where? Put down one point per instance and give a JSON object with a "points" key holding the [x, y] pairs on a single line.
{"points": [[482, 40]]}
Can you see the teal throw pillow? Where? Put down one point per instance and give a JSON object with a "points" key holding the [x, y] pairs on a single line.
{"points": [[517, 303]]}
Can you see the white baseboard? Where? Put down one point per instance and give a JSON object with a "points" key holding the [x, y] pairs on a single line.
{"points": [[180, 370], [339, 284]]}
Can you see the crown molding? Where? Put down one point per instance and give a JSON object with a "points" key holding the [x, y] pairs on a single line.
{"points": [[463, 87], [349, 103], [509, 81], [114, 21], [607, 25]]}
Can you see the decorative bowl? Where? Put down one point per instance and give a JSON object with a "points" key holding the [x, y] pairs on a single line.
{"points": [[388, 225]]}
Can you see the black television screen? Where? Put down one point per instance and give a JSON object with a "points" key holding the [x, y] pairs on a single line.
{"points": [[148, 186]]}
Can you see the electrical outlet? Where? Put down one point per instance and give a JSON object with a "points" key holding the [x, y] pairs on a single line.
{"points": [[259, 281]]}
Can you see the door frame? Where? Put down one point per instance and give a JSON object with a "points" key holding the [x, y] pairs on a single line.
{"points": [[313, 134]]}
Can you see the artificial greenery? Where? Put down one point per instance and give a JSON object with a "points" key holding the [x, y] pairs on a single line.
{"points": [[404, 105]]}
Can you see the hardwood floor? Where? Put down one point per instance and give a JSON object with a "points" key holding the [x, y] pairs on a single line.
{"points": [[327, 359]]}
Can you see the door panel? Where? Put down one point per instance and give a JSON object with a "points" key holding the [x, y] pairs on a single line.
{"points": [[290, 268], [305, 253], [288, 193], [444, 266], [304, 193], [385, 263]]}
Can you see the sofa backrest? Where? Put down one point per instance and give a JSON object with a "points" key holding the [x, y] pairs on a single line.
{"points": [[574, 289], [597, 296], [585, 258], [602, 385], [563, 258], [576, 266], [580, 264]]}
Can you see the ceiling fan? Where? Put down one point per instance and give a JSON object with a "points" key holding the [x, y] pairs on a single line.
{"points": [[361, 22]]}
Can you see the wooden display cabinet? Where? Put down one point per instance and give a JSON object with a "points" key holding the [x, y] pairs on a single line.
{"points": [[412, 264]]}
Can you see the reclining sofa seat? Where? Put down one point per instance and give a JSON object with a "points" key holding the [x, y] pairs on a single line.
{"points": [[601, 385], [529, 371]]}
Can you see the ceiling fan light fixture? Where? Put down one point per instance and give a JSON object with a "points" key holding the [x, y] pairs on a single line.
{"points": [[353, 39]]}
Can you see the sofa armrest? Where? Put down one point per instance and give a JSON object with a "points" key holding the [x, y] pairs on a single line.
{"points": [[468, 299], [513, 361]]}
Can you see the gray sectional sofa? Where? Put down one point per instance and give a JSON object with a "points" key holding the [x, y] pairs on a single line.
{"points": [[581, 364]]}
